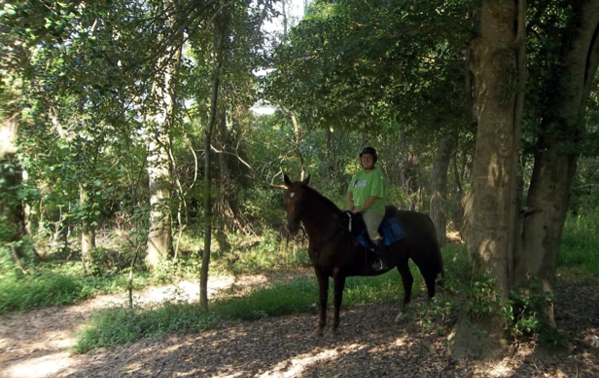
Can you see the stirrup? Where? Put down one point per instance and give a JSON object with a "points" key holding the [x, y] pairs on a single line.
{"points": [[378, 265]]}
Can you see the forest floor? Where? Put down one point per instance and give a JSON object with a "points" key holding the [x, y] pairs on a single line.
{"points": [[37, 343]]}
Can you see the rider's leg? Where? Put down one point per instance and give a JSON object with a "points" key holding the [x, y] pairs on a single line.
{"points": [[373, 220], [381, 254]]}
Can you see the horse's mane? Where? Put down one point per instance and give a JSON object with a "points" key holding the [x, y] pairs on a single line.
{"points": [[327, 202]]}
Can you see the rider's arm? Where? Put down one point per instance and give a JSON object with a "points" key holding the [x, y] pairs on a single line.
{"points": [[367, 204], [350, 201]]}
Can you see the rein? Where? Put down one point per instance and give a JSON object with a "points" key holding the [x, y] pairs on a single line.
{"points": [[350, 221]]}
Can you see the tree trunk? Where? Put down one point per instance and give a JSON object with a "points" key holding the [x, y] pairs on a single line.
{"points": [[224, 206], [88, 233], [438, 208], [11, 208], [458, 190], [556, 151], [332, 162], [208, 188], [410, 178], [298, 132], [160, 243], [490, 225]]}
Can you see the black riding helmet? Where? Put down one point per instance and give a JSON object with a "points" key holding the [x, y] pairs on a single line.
{"points": [[369, 150]]}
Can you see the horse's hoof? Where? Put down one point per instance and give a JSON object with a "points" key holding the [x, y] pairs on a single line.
{"points": [[400, 317], [317, 333]]}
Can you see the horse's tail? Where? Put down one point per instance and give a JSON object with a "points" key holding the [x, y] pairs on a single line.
{"points": [[440, 268]]}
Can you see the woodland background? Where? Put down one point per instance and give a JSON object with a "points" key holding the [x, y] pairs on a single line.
{"points": [[132, 151]]}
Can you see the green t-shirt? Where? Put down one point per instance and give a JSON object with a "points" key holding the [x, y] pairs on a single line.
{"points": [[364, 185]]}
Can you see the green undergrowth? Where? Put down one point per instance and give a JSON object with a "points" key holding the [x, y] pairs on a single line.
{"points": [[578, 251], [54, 285]]}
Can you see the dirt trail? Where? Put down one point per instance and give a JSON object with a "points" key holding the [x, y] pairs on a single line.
{"points": [[36, 344]]}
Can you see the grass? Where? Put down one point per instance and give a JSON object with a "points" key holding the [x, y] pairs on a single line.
{"points": [[21, 293], [51, 284], [579, 249]]}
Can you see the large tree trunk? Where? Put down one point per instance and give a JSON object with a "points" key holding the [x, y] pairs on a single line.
{"points": [[228, 209], [490, 225], [438, 208], [556, 150], [160, 243]]}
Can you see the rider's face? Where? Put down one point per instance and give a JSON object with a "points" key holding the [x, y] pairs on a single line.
{"points": [[367, 161]]}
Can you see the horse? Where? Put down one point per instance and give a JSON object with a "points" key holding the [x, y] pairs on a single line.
{"points": [[335, 252]]}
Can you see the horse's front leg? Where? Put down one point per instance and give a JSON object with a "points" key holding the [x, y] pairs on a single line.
{"points": [[323, 285], [339, 281]]}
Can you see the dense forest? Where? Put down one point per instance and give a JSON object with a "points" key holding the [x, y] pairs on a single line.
{"points": [[132, 141]]}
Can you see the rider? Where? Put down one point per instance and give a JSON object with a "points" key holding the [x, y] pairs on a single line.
{"points": [[366, 195]]}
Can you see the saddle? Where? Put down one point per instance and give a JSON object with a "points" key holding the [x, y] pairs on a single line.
{"points": [[390, 229]]}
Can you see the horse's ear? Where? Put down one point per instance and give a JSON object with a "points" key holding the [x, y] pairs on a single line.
{"points": [[287, 180], [306, 180]]}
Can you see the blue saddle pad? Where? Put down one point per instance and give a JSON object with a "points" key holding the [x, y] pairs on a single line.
{"points": [[390, 229]]}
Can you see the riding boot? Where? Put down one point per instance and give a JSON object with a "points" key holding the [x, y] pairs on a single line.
{"points": [[380, 263]]}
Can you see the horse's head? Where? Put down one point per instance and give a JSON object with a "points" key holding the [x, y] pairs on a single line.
{"points": [[295, 197]]}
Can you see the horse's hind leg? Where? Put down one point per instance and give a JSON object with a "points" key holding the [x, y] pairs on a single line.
{"points": [[429, 279], [407, 280]]}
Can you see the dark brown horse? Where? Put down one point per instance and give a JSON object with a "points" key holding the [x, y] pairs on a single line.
{"points": [[334, 252]]}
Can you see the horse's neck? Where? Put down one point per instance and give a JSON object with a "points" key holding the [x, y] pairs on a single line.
{"points": [[320, 224]]}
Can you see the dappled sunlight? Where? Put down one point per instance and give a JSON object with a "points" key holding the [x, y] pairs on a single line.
{"points": [[292, 367], [48, 365], [500, 369], [36, 343], [400, 342]]}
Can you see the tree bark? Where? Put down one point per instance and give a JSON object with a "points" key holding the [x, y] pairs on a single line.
{"points": [[160, 243], [438, 208], [224, 205], [557, 150], [491, 206], [208, 188], [332, 161], [298, 132]]}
